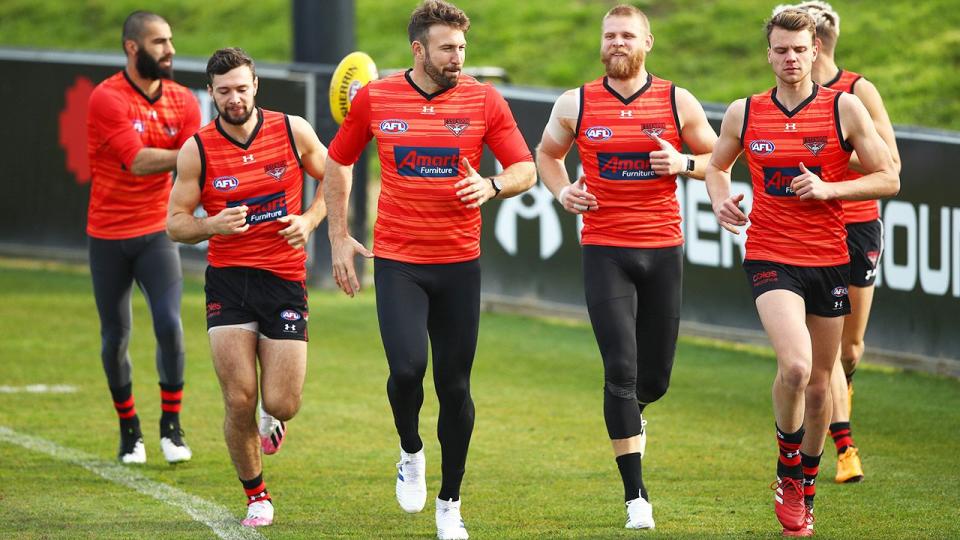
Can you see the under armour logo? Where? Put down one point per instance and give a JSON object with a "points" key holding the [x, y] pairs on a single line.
{"points": [[248, 158], [626, 114], [289, 328], [427, 109], [789, 127]]}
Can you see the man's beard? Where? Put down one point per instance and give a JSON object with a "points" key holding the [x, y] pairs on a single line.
{"points": [[149, 67], [620, 67], [437, 75], [236, 120]]}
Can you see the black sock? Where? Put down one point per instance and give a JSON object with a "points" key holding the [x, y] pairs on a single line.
{"points": [[842, 436], [255, 489], [631, 472], [788, 463], [170, 398], [811, 467]]}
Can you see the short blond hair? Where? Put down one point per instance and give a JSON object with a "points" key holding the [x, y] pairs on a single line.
{"points": [[626, 10], [793, 20]]}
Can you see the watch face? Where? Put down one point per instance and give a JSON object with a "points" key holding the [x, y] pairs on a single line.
{"points": [[497, 186]]}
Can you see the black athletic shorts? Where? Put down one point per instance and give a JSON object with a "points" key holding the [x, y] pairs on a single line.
{"points": [[238, 295], [865, 244], [823, 288]]}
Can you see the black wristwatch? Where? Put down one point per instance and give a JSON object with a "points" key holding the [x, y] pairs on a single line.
{"points": [[497, 188], [691, 164]]}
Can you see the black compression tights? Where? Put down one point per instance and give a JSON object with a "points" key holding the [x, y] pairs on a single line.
{"points": [[633, 298], [442, 302]]}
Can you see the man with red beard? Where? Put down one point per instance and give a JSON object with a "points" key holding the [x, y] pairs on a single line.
{"points": [[246, 169], [138, 119], [628, 127]]}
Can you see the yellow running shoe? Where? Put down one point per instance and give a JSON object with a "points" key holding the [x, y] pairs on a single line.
{"points": [[849, 468]]}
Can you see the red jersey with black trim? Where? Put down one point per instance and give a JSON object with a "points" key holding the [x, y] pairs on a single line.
{"points": [[421, 139], [637, 207], [265, 174], [853, 211], [121, 121], [783, 228]]}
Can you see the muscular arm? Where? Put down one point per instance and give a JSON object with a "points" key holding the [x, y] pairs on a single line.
{"points": [[153, 160], [696, 133], [881, 178], [558, 136], [182, 225], [868, 94], [717, 175]]}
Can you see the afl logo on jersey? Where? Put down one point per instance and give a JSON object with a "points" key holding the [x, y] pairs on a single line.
{"points": [[762, 148], [225, 183], [839, 291], [393, 127], [289, 315], [598, 133]]}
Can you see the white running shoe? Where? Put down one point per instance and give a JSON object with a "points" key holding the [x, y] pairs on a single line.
{"points": [[639, 514], [412, 481], [173, 452], [643, 435], [259, 514], [137, 453], [449, 522], [272, 432]]}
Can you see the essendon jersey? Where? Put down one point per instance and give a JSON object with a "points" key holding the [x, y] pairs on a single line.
{"points": [[853, 211], [122, 121], [783, 228], [637, 207], [421, 140], [265, 176]]}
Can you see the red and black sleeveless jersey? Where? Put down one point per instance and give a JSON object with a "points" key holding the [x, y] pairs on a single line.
{"points": [[421, 139], [121, 121], [637, 207], [783, 228], [853, 211], [265, 175]]}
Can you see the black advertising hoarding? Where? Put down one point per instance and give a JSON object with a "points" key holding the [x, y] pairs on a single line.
{"points": [[531, 253], [45, 144]]}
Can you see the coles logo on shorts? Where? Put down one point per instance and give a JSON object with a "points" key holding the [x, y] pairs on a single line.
{"points": [[598, 133], [777, 180], [263, 209], [764, 277], [289, 315], [762, 147], [839, 291], [393, 127], [427, 162], [225, 183], [626, 166]]}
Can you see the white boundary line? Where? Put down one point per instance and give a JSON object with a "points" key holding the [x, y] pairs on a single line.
{"points": [[39, 389], [218, 518]]}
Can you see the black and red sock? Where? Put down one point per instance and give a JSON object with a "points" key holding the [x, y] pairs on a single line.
{"points": [[255, 489], [811, 468], [170, 397], [842, 436], [124, 404], [788, 465]]}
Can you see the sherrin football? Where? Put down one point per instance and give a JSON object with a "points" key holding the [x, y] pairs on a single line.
{"points": [[355, 70]]}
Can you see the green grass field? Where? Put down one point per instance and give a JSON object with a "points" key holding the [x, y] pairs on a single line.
{"points": [[713, 48], [539, 467]]}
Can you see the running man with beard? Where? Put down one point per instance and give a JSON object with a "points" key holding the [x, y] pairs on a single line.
{"points": [[864, 240], [246, 169], [798, 138], [137, 121], [431, 123], [628, 127]]}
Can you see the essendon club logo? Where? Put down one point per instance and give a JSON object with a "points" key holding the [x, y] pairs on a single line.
{"points": [[427, 162], [626, 166], [873, 255], [456, 125], [815, 144], [598, 133], [275, 169], [762, 147], [654, 129], [777, 180]]}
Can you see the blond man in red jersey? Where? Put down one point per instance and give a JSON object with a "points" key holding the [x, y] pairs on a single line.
{"points": [[798, 138], [137, 120], [246, 169], [628, 127], [864, 239]]}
